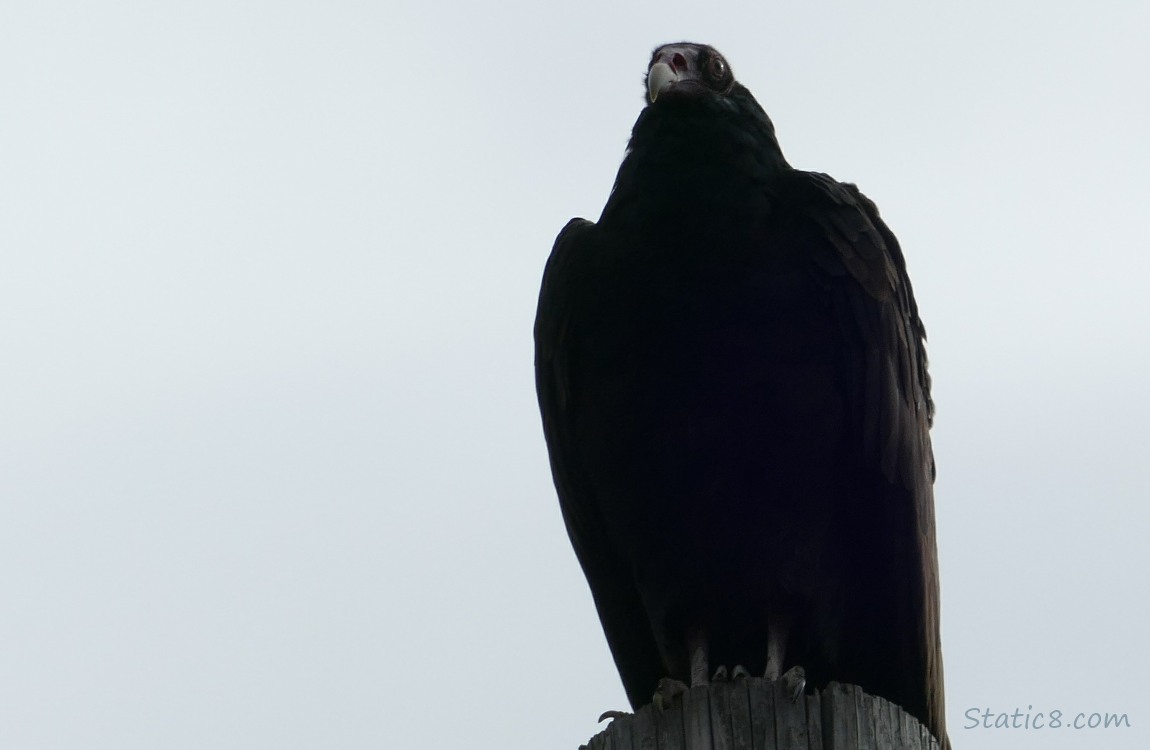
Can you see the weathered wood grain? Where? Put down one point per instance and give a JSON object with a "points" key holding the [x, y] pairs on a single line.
{"points": [[751, 714]]}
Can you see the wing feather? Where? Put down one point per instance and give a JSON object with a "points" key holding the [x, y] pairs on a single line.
{"points": [[894, 405], [568, 285]]}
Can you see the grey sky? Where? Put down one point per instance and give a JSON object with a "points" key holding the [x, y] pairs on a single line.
{"points": [[271, 471]]}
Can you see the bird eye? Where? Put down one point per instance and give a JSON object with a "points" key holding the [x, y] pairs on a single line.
{"points": [[716, 68]]}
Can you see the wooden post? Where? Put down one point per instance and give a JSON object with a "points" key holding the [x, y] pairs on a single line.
{"points": [[752, 714]]}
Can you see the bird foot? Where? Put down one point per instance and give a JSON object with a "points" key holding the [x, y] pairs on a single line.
{"points": [[794, 682], [722, 675], [613, 715], [667, 691]]}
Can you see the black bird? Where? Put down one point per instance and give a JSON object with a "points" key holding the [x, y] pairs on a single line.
{"points": [[732, 377]]}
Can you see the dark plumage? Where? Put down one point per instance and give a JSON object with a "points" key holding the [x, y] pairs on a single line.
{"points": [[734, 392]]}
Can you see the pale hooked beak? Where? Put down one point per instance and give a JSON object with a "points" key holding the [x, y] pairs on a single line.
{"points": [[660, 76]]}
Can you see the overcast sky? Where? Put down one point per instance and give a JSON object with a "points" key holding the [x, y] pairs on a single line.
{"points": [[271, 468]]}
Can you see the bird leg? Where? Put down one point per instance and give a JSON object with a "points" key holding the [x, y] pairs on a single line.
{"points": [[778, 631], [697, 653], [794, 680], [669, 688]]}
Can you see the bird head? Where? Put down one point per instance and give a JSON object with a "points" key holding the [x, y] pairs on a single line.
{"points": [[685, 69]]}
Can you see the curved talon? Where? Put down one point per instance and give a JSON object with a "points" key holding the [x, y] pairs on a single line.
{"points": [[612, 715], [720, 675], [740, 672], [667, 691], [794, 682]]}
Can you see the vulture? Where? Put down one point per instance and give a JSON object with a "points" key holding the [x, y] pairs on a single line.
{"points": [[733, 384]]}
